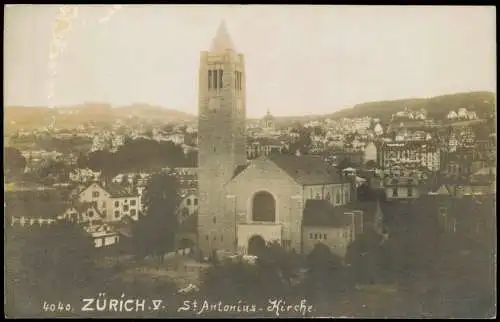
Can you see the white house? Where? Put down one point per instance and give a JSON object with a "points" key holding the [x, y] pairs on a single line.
{"points": [[452, 115], [113, 201], [378, 129]]}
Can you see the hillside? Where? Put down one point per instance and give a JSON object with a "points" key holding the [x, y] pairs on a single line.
{"points": [[29, 118], [483, 103]]}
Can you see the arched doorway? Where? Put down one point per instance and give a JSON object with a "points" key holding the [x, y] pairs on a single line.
{"points": [[255, 245], [263, 207]]}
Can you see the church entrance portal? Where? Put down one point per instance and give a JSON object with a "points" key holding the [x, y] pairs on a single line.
{"points": [[255, 245]]}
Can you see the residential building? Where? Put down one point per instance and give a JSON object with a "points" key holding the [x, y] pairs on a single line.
{"points": [[113, 201], [397, 188]]}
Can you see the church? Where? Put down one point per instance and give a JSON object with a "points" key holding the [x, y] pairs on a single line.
{"points": [[246, 203]]}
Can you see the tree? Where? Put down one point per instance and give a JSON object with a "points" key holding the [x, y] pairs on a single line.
{"points": [[154, 233], [269, 277], [54, 170], [325, 273], [14, 161], [82, 161], [57, 255], [103, 161], [275, 260], [363, 255]]}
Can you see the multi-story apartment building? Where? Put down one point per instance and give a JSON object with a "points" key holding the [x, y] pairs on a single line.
{"points": [[426, 153]]}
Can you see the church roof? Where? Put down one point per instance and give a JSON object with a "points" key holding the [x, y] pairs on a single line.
{"points": [[239, 169], [306, 169], [222, 40]]}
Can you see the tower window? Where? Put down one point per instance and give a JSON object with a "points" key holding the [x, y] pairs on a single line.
{"points": [[210, 79], [214, 79], [221, 72]]}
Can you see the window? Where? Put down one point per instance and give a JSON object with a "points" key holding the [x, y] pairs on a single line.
{"points": [[339, 197], [125, 207], [221, 72], [210, 79], [133, 212], [117, 204], [206, 237], [104, 204], [214, 149], [117, 214], [310, 236], [315, 236], [132, 202], [214, 220], [394, 192], [125, 201], [410, 192], [90, 213], [328, 196], [214, 79], [195, 201], [95, 194], [324, 236], [188, 202]]}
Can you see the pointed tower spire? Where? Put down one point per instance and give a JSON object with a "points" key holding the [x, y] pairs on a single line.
{"points": [[222, 41]]}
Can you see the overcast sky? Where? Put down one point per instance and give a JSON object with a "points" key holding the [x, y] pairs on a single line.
{"points": [[299, 59]]}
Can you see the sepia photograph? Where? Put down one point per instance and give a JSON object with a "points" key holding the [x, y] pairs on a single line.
{"points": [[249, 161]]}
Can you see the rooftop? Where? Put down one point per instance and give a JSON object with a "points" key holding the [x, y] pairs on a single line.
{"points": [[322, 213], [307, 169]]}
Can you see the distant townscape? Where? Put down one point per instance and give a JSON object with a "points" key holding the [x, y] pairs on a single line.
{"points": [[388, 198]]}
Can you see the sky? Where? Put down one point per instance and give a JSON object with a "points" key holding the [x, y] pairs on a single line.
{"points": [[299, 59]]}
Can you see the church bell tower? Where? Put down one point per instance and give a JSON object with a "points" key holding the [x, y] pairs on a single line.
{"points": [[221, 138]]}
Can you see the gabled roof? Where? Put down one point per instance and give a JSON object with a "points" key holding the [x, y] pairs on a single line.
{"points": [[321, 213], [307, 169], [115, 190], [222, 40], [239, 169]]}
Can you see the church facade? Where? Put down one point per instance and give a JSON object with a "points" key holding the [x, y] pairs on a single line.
{"points": [[240, 201]]}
